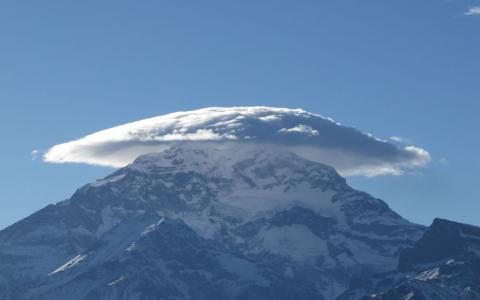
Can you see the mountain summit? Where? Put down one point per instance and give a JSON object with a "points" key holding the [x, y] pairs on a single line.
{"points": [[204, 223]]}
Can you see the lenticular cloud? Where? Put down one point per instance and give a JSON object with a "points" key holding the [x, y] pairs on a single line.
{"points": [[321, 139]]}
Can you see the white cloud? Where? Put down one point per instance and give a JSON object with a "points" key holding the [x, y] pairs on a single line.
{"points": [[401, 139], [349, 150], [398, 139], [199, 135], [34, 154], [301, 129], [269, 118], [475, 10]]}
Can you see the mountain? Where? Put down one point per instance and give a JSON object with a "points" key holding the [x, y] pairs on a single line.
{"points": [[205, 223], [444, 264]]}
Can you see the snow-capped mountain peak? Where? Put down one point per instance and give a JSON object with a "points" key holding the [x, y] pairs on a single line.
{"points": [[256, 221], [253, 166]]}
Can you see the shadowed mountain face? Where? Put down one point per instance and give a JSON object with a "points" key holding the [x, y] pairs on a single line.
{"points": [[444, 239], [192, 223], [444, 264]]}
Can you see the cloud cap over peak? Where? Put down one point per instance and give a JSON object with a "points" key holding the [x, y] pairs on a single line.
{"points": [[321, 139]]}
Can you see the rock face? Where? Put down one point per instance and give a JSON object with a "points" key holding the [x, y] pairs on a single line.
{"points": [[443, 264], [193, 223], [443, 239]]}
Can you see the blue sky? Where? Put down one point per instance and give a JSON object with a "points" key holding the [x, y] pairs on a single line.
{"points": [[392, 68]]}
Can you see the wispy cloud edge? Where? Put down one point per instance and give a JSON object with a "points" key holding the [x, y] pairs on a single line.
{"points": [[474, 10]]}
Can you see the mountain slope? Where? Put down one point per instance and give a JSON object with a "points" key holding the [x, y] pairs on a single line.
{"points": [[444, 264], [204, 223]]}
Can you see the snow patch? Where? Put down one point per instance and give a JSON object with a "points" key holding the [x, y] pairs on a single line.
{"points": [[294, 241], [409, 296], [132, 247], [109, 220], [122, 278], [428, 275], [105, 181], [153, 227], [71, 263]]}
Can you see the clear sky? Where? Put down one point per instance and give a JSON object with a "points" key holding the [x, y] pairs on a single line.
{"points": [[393, 68]]}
